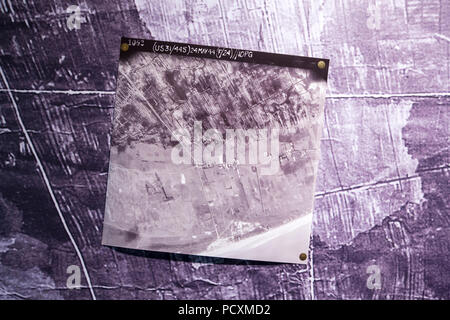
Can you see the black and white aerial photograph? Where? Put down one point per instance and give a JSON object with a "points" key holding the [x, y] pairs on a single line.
{"points": [[244, 150], [213, 157]]}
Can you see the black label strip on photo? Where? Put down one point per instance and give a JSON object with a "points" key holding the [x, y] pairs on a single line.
{"points": [[129, 46]]}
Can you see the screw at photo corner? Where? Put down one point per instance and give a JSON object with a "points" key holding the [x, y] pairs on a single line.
{"points": [[124, 47]]}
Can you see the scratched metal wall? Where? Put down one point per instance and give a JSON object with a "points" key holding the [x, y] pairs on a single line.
{"points": [[382, 195]]}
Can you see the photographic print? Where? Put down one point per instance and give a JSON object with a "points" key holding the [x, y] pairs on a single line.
{"points": [[214, 151]]}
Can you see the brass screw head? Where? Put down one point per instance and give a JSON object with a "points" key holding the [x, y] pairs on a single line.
{"points": [[124, 47], [321, 64], [302, 256]]}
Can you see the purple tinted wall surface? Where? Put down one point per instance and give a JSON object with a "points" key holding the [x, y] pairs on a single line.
{"points": [[381, 223]]}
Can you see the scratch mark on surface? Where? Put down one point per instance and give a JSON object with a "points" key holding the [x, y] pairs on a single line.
{"points": [[393, 147], [46, 181], [441, 36], [311, 267], [331, 149], [384, 182]]}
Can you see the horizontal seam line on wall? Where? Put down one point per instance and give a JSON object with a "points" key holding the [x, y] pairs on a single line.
{"points": [[330, 96]]}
